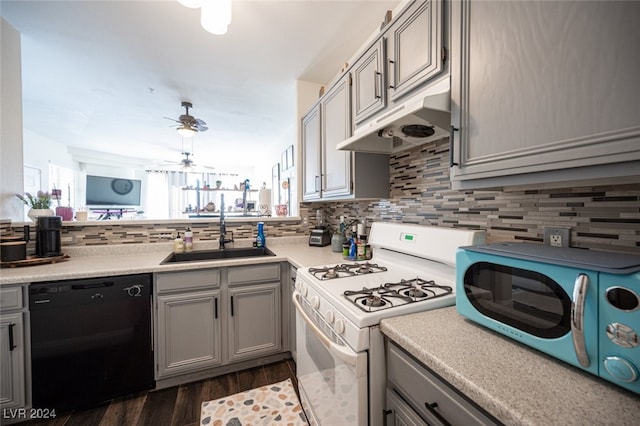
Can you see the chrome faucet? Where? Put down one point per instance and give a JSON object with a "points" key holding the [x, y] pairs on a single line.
{"points": [[223, 226], [244, 197]]}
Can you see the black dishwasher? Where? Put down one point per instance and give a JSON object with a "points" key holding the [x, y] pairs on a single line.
{"points": [[91, 340]]}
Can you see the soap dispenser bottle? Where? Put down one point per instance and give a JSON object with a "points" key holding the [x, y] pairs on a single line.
{"points": [[260, 240], [178, 244]]}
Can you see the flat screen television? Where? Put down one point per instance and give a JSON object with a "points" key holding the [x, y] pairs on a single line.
{"points": [[112, 192]]}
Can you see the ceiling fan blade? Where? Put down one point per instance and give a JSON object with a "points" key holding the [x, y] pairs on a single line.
{"points": [[200, 122], [202, 128]]}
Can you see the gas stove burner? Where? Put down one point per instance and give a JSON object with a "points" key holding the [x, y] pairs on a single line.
{"points": [[364, 268], [373, 300], [345, 270], [389, 295], [418, 288]]}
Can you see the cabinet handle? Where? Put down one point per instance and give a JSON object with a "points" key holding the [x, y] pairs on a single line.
{"points": [[215, 301], [12, 345], [385, 414], [377, 84], [231, 305], [452, 131], [392, 80], [431, 408], [316, 183]]}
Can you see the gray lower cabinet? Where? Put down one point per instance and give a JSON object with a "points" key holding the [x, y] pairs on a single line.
{"points": [[12, 349], [255, 313], [255, 322], [189, 332], [417, 396], [544, 92], [188, 321]]}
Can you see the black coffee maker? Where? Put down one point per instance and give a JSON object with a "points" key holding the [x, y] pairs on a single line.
{"points": [[48, 236]]}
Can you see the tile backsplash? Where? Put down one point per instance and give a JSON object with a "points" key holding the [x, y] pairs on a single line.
{"points": [[602, 217]]}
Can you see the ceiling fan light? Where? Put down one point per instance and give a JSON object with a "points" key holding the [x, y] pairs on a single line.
{"points": [[215, 16], [192, 4], [186, 131]]}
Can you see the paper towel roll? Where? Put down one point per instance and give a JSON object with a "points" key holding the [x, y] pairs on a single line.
{"points": [[264, 197]]}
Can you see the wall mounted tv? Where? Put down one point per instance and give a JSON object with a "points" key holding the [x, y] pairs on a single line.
{"points": [[112, 192]]}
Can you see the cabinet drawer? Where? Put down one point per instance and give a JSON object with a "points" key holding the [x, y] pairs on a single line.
{"points": [[430, 396], [254, 274], [11, 298], [171, 281]]}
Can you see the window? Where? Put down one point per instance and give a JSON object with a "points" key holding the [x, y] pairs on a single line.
{"points": [[65, 180]]}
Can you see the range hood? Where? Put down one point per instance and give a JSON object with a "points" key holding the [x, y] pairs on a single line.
{"points": [[417, 121]]}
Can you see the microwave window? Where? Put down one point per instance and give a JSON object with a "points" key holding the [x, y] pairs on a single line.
{"points": [[527, 300]]}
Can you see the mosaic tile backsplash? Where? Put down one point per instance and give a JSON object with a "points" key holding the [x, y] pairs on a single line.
{"points": [[602, 217]]}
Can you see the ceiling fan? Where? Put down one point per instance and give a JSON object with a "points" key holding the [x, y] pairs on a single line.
{"points": [[188, 124], [186, 164]]}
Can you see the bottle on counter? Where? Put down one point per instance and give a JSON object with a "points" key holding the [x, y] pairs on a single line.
{"points": [[188, 240], [178, 244], [260, 239]]}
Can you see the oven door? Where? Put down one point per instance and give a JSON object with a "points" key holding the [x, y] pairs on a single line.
{"points": [[332, 378]]}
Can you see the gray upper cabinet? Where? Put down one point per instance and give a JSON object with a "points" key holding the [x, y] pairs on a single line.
{"points": [[368, 90], [544, 92], [330, 174], [415, 47], [336, 127], [311, 154]]}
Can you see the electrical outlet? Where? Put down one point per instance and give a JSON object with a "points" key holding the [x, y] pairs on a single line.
{"points": [[557, 237]]}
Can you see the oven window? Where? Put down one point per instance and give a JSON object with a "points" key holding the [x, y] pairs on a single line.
{"points": [[529, 301]]}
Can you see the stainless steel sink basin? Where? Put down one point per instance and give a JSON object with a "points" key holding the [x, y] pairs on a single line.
{"points": [[217, 254]]}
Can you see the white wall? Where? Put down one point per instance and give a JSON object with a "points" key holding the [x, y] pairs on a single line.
{"points": [[11, 178]]}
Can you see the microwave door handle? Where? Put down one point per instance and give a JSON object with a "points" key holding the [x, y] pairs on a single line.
{"points": [[577, 318], [340, 351]]}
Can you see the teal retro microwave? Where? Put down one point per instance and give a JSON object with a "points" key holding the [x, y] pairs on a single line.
{"points": [[581, 306]]}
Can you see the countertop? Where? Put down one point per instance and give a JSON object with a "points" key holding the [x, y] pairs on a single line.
{"points": [[96, 261], [516, 384]]}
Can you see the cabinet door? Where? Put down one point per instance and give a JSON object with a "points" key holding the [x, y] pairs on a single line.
{"points": [[544, 91], [399, 413], [12, 377], [255, 321], [188, 332], [336, 127], [368, 90], [414, 47], [311, 154]]}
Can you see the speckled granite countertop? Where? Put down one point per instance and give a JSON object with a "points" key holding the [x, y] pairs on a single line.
{"points": [[85, 262], [516, 384]]}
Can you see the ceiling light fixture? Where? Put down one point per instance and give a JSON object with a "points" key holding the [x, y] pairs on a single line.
{"points": [[186, 131], [215, 15]]}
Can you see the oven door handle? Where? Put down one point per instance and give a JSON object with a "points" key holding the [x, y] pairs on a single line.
{"points": [[340, 351]]}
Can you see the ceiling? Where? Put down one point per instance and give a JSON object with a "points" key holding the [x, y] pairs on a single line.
{"points": [[101, 75]]}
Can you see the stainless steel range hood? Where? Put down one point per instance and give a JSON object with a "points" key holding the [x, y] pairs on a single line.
{"points": [[404, 126]]}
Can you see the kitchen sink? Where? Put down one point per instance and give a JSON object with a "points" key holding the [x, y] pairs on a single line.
{"points": [[217, 254]]}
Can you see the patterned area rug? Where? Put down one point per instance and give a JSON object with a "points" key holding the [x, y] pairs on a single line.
{"points": [[275, 404]]}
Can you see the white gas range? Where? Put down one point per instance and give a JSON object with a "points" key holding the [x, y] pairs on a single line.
{"points": [[340, 350]]}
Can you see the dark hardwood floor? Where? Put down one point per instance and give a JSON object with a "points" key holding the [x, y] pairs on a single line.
{"points": [[176, 406]]}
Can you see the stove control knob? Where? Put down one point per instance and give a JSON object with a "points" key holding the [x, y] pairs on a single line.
{"points": [[302, 289], [339, 326], [315, 302], [330, 316]]}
